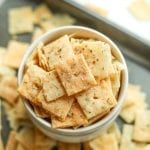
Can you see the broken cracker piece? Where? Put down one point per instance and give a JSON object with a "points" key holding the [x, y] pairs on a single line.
{"points": [[31, 84], [74, 118], [52, 88], [58, 51], [20, 20], [75, 75], [97, 99], [15, 53], [69, 146], [141, 130]]}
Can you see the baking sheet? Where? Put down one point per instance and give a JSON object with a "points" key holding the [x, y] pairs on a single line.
{"points": [[137, 74]]}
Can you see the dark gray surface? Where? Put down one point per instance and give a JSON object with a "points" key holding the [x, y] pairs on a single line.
{"points": [[137, 74]]}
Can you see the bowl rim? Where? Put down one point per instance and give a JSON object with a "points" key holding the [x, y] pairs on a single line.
{"points": [[121, 96]]}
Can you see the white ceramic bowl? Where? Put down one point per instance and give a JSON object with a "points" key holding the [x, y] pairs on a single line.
{"points": [[91, 131]]}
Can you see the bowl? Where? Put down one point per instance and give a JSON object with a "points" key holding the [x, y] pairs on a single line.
{"points": [[93, 130]]}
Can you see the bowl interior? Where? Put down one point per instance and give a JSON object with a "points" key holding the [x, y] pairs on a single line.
{"points": [[83, 32]]}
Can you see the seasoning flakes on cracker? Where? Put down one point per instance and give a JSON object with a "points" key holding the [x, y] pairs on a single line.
{"points": [[21, 20], [97, 99]]}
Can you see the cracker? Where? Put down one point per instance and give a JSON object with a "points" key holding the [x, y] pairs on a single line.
{"points": [[41, 140], [20, 147], [58, 51], [6, 71], [105, 142], [52, 89], [98, 57], [58, 108], [141, 132], [31, 84], [41, 57], [47, 25], [115, 129], [140, 9], [97, 99], [8, 89], [74, 118], [15, 53], [20, 20], [11, 142], [26, 137], [69, 146], [1, 144], [75, 75], [42, 13]]}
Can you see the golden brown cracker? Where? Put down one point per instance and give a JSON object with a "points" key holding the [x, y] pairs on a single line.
{"points": [[20, 20], [97, 99], [15, 53], [69, 146], [74, 118], [58, 51], [75, 75]]}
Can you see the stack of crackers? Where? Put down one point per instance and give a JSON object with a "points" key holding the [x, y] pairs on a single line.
{"points": [[23, 135], [72, 82]]}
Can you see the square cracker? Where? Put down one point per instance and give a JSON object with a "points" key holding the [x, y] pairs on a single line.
{"points": [[104, 142], [8, 89], [74, 118], [59, 108], [97, 99], [20, 20], [98, 57], [75, 75], [52, 88], [58, 51], [32, 81], [141, 131], [15, 53]]}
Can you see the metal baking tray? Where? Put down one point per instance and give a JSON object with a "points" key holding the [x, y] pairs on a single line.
{"points": [[135, 50]]}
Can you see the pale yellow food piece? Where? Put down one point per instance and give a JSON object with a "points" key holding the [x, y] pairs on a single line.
{"points": [[69, 146], [31, 84], [6, 71], [126, 140], [58, 51], [20, 147], [75, 75], [141, 131], [1, 144], [20, 20], [42, 13], [98, 57], [97, 99], [42, 141], [52, 88], [58, 108], [26, 137], [105, 142], [11, 142], [47, 25], [15, 53], [74, 118], [140, 9], [115, 130], [8, 89]]}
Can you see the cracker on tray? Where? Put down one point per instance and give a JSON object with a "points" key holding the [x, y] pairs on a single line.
{"points": [[97, 99], [75, 75], [74, 118], [58, 51], [15, 53], [20, 20]]}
